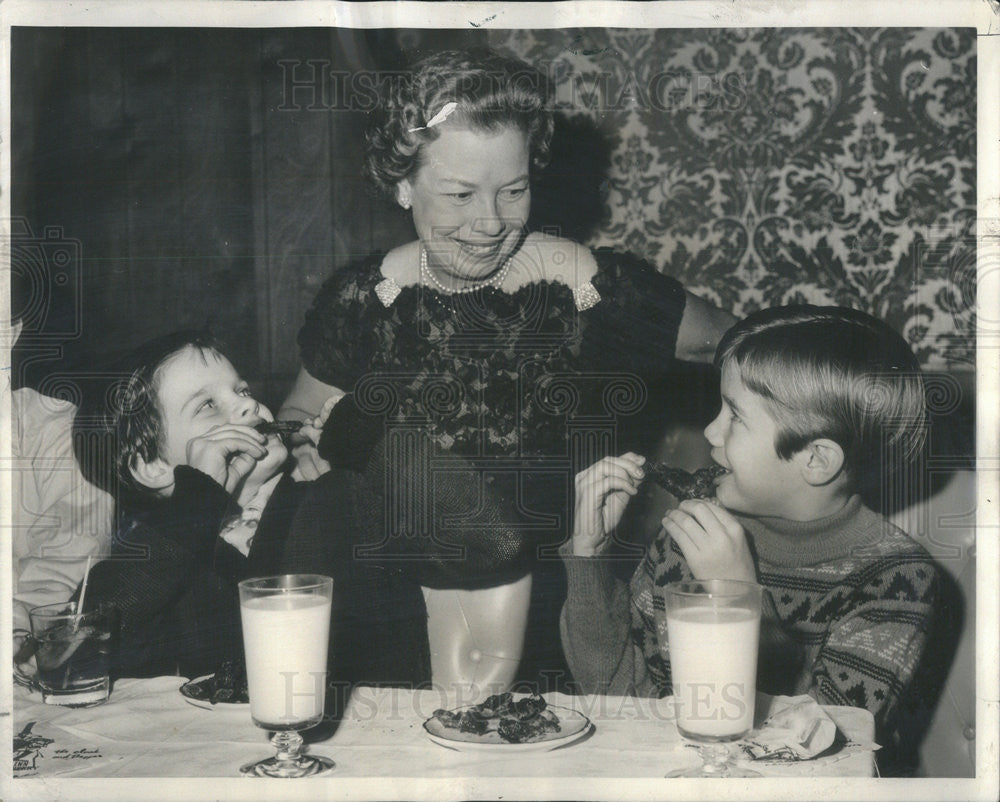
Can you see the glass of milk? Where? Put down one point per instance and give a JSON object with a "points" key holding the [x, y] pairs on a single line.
{"points": [[286, 629], [713, 629]]}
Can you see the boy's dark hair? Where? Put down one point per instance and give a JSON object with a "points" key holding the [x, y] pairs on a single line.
{"points": [[122, 420], [837, 373]]}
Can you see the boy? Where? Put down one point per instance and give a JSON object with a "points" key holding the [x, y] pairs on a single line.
{"points": [[205, 500], [202, 503], [818, 404]]}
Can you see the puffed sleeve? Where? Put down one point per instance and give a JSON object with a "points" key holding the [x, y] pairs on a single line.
{"points": [[336, 341], [635, 324]]}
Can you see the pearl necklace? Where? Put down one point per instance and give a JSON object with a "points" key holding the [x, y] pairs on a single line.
{"points": [[495, 281]]}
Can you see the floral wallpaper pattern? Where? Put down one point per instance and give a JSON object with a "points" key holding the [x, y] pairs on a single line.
{"points": [[774, 166]]}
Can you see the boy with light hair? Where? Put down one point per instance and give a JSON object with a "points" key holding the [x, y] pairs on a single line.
{"points": [[819, 404]]}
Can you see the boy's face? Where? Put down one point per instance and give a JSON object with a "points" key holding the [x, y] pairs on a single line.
{"points": [[759, 482], [199, 390]]}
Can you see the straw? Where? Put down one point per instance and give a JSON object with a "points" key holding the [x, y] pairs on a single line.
{"points": [[83, 594], [72, 646]]}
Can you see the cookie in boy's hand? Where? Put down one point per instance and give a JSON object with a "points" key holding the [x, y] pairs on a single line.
{"points": [[283, 428], [684, 485]]}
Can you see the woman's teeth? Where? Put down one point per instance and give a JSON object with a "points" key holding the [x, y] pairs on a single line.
{"points": [[479, 250]]}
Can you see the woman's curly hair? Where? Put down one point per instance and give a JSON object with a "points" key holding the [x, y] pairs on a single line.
{"points": [[491, 91]]}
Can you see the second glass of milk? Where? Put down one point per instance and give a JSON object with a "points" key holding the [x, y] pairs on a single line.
{"points": [[713, 628]]}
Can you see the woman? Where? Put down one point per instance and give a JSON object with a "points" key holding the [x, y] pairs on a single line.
{"points": [[513, 349]]}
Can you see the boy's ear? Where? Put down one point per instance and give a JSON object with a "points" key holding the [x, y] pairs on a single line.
{"points": [[821, 461], [155, 474]]}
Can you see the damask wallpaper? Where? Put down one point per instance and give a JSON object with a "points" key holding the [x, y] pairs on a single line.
{"points": [[774, 166]]}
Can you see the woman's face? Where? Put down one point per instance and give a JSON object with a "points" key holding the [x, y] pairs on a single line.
{"points": [[470, 199]]}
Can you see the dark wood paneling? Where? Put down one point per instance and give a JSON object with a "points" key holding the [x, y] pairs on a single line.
{"points": [[137, 143], [297, 214], [314, 211], [198, 196]]}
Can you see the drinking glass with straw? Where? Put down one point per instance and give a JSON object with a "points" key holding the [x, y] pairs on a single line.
{"points": [[73, 650]]}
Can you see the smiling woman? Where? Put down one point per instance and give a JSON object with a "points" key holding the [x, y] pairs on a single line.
{"points": [[469, 214], [514, 349]]}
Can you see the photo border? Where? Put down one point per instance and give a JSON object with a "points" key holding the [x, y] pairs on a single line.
{"points": [[981, 14]]}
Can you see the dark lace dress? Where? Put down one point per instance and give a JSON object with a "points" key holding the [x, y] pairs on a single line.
{"points": [[492, 372], [527, 387]]}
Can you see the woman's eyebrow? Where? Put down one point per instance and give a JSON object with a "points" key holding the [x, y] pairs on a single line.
{"points": [[472, 185], [460, 182]]}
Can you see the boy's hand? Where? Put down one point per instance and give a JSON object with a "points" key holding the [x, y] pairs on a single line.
{"points": [[227, 453], [712, 540], [308, 463], [602, 492]]}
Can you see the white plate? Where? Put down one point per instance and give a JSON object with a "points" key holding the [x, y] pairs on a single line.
{"points": [[572, 727], [205, 703]]}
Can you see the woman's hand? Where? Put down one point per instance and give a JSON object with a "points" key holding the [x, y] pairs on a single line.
{"points": [[602, 493], [312, 429], [308, 463], [712, 540], [308, 395]]}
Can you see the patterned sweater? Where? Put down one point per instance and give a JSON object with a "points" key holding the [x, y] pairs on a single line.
{"points": [[847, 608]]}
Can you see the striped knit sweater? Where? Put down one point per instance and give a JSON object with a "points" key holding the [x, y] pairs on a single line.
{"points": [[847, 608]]}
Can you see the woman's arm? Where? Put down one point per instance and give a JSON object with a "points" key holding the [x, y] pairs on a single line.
{"points": [[702, 326], [306, 398], [304, 403]]}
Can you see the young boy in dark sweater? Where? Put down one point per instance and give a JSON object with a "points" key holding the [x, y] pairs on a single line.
{"points": [[819, 403], [205, 500]]}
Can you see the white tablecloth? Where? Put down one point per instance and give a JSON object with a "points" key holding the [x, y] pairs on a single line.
{"points": [[147, 729]]}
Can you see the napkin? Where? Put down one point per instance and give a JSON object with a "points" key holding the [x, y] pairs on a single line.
{"points": [[793, 728]]}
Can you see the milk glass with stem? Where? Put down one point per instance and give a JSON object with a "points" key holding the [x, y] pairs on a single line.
{"points": [[713, 631], [286, 628]]}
